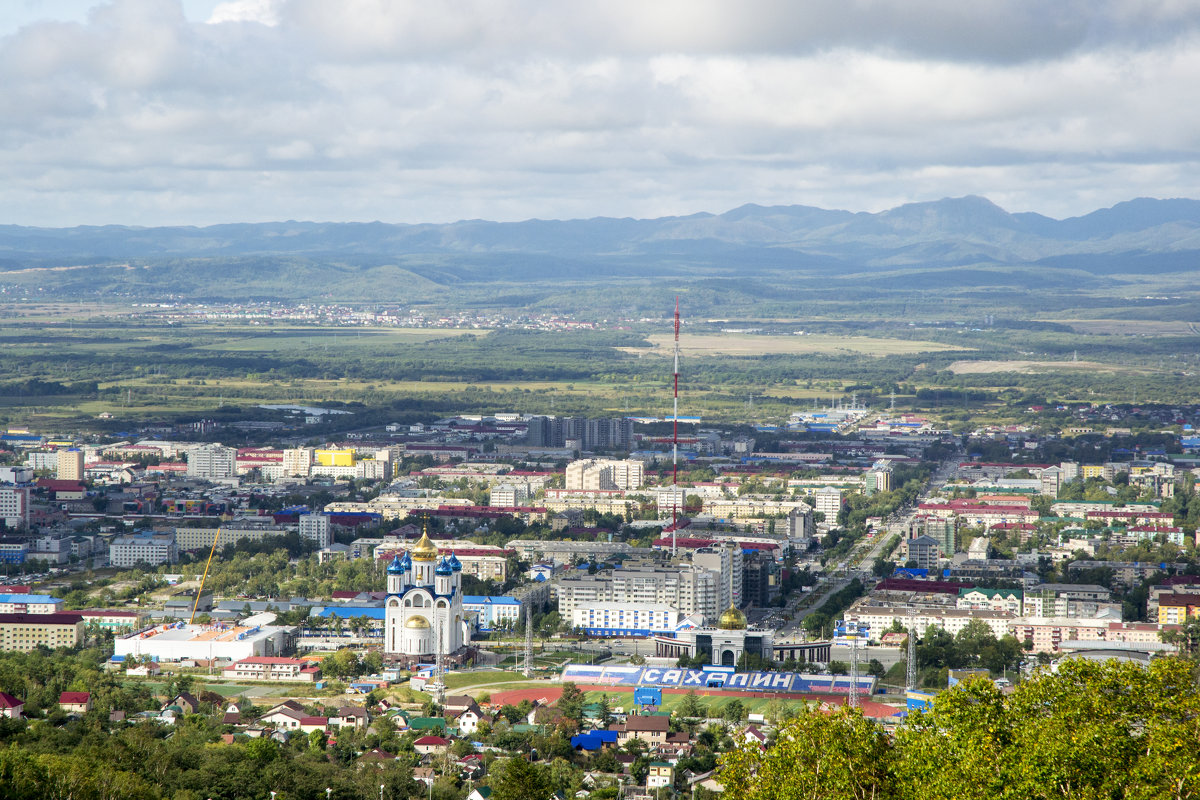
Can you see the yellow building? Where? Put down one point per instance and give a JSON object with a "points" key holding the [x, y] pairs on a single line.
{"points": [[1174, 609], [27, 632], [336, 458], [1091, 471]]}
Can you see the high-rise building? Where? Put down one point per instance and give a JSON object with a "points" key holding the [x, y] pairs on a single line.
{"points": [[14, 506], [297, 462], [315, 528], [212, 462], [690, 589], [726, 562], [593, 434], [509, 495], [595, 474], [70, 465], [828, 502]]}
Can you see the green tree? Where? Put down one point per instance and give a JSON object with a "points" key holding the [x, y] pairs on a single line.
{"points": [[517, 779], [691, 706], [571, 702], [815, 757]]}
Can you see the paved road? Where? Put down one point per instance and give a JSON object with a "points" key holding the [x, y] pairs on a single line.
{"points": [[862, 559]]}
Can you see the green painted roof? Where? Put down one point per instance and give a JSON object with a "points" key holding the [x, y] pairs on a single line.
{"points": [[992, 592], [427, 723]]}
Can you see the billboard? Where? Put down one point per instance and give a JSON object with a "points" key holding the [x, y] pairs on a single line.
{"points": [[660, 678]]}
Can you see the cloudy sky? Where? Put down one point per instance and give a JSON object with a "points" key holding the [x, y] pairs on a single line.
{"points": [[199, 111]]}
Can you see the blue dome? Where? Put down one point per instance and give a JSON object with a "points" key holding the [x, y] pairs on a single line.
{"points": [[455, 564], [444, 568], [396, 567], [406, 562]]}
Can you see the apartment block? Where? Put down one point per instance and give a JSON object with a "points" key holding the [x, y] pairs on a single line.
{"points": [[148, 548], [600, 474], [14, 506], [25, 632], [212, 462], [69, 466], [315, 528]]}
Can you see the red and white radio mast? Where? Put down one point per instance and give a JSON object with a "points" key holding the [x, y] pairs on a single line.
{"points": [[675, 441]]}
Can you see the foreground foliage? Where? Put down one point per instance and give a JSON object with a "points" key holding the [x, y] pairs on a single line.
{"points": [[1088, 731]]}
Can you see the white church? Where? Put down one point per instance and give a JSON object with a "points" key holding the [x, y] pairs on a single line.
{"points": [[424, 611]]}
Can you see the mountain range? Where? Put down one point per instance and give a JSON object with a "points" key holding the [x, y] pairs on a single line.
{"points": [[913, 244]]}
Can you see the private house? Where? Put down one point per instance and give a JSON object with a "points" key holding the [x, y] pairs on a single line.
{"points": [[753, 735], [148, 670], [310, 724], [286, 716], [431, 745], [75, 702], [187, 703], [652, 730], [10, 706], [661, 774], [350, 717], [467, 719]]}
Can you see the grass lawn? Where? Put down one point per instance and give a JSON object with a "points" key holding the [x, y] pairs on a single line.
{"points": [[460, 680], [752, 704]]}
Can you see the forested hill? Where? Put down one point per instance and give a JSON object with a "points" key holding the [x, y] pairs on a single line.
{"points": [[967, 235]]}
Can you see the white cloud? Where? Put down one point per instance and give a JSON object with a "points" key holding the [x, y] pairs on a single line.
{"points": [[149, 111], [264, 12]]}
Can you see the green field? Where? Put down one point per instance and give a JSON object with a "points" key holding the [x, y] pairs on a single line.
{"points": [[67, 366]]}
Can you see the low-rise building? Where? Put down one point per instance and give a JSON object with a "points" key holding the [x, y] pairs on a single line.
{"points": [[25, 632], [29, 604], [265, 668], [652, 730], [75, 702], [181, 642], [492, 612], [10, 706], [1009, 600], [151, 549], [116, 621], [661, 774]]}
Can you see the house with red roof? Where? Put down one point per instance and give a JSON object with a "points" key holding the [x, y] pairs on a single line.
{"points": [[287, 719], [75, 702], [431, 745], [10, 706], [311, 723]]}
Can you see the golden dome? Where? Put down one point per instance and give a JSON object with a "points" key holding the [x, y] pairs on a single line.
{"points": [[417, 622], [732, 620], [424, 550]]}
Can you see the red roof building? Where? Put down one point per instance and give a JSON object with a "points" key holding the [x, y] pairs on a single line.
{"points": [[78, 702]]}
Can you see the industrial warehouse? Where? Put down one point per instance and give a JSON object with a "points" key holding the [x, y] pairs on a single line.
{"points": [[182, 642]]}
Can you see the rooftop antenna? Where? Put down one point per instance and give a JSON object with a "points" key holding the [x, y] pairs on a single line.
{"points": [[675, 442]]}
